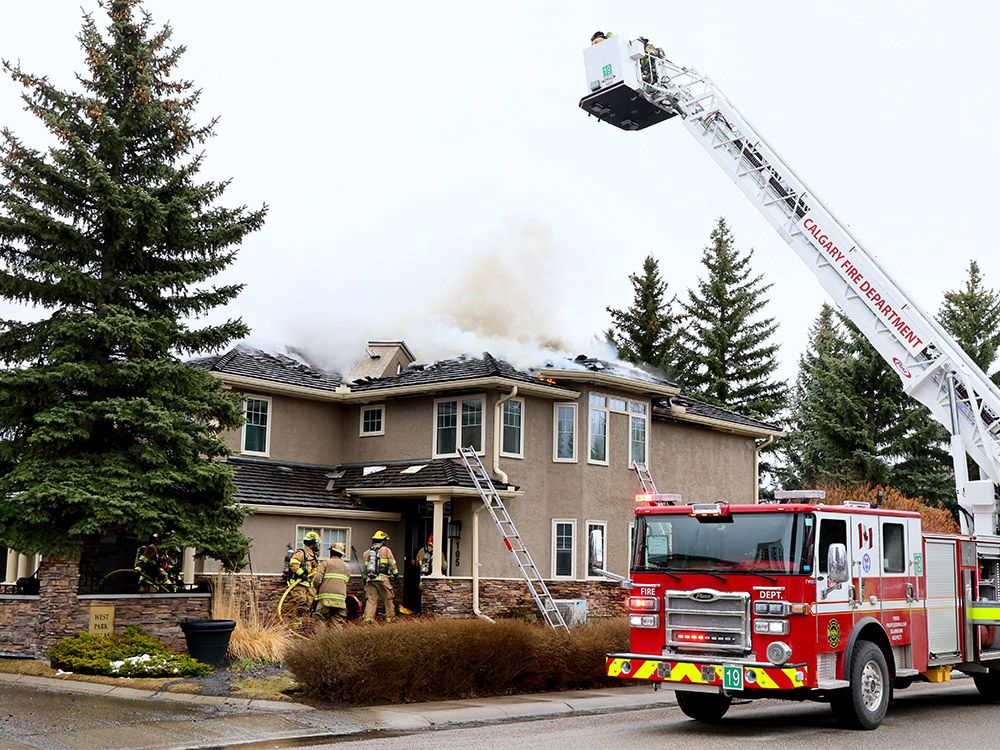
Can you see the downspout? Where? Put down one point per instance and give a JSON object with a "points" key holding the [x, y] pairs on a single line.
{"points": [[497, 423], [756, 466]]}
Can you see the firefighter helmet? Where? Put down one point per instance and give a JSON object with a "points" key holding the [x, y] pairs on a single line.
{"points": [[311, 537], [337, 548], [380, 536]]}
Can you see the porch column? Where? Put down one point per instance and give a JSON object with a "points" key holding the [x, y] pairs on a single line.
{"points": [[437, 558], [24, 568], [187, 566], [10, 572]]}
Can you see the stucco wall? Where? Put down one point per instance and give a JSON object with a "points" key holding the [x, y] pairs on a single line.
{"points": [[302, 430]]}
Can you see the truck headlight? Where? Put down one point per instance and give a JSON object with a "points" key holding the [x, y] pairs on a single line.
{"points": [[644, 621], [770, 627]]}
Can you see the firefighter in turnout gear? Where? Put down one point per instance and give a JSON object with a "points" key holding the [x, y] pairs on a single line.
{"points": [[302, 567], [330, 581], [425, 557], [148, 568], [378, 565]]}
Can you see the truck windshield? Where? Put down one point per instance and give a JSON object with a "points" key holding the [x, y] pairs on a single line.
{"points": [[747, 542]]}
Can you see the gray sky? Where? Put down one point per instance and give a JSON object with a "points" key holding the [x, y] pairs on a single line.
{"points": [[430, 176]]}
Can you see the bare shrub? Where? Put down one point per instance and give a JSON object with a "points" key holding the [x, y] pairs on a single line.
{"points": [[435, 659]]}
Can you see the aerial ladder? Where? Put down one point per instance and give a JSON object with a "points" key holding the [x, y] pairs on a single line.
{"points": [[633, 90], [512, 539]]}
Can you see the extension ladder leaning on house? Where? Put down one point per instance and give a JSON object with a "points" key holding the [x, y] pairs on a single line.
{"points": [[511, 539]]}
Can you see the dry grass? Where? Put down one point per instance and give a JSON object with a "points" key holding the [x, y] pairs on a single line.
{"points": [[274, 688], [933, 519], [442, 659], [259, 636]]}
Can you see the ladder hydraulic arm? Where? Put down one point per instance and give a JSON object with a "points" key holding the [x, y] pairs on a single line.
{"points": [[633, 90]]}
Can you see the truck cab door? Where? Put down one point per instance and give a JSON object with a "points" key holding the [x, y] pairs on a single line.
{"points": [[833, 600], [866, 565]]}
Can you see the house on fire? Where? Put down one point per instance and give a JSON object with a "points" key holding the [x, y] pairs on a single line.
{"points": [[377, 450]]}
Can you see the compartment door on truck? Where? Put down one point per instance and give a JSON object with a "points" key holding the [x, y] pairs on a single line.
{"points": [[941, 564]]}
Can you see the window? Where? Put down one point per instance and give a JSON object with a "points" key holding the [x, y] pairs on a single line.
{"points": [[511, 444], [564, 432], [638, 431], [372, 420], [893, 548], [330, 534], [831, 531], [563, 559], [598, 429], [458, 420], [257, 428], [597, 546], [618, 405]]}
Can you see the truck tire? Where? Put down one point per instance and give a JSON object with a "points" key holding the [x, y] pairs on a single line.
{"points": [[703, 706], [988, 685], [864, 703]]}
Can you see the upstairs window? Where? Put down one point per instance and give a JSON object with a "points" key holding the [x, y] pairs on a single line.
{"points": [[598, 429], [512, 442], [638, 433], [372, 420], [458, 422], [564, 432], [257, 428]]}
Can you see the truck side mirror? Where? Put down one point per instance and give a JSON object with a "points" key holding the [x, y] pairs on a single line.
{"points": [[836, 563]]}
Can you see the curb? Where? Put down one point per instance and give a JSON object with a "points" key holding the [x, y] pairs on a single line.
{"points": [[120, 691]]}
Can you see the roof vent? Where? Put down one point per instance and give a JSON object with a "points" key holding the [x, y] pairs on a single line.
{"points": [[285, 469]]}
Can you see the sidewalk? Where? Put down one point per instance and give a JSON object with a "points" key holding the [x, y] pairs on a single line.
{"points": [[75, 715]]}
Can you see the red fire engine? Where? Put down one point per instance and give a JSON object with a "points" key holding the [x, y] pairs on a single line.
{"points": [[842, 603]]}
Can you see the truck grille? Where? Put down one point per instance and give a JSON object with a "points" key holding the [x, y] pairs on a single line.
{"points": [[706, 620]]}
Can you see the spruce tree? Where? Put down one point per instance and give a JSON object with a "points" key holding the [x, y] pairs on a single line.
{"points": [[646, 331], [972, 316], [110, 234], [816, 448], [728, 356]]}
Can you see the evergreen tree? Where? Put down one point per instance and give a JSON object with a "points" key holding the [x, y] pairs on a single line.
{"points": [[972, 316], [815, 448], [645, 333], [852, 423], [104, 430], [728, 357]]}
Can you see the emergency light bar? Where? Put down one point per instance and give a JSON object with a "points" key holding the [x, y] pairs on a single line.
{"points": [[658, 498], [709, 509]]}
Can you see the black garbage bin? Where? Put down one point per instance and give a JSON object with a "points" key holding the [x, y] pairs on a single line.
{"points": [[208, 640]]}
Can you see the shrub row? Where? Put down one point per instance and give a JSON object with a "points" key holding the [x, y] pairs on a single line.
{"points": [[134, 653], [438, 659]]}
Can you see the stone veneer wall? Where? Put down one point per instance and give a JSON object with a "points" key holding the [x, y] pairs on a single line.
{"points": [[31, 625], [511, 598]]}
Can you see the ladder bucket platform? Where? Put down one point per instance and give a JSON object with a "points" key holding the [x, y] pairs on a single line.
{"points": [[616, 69], [512, 539], [622, 107]]}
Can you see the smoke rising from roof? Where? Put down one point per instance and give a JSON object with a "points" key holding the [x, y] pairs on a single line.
{"points": [[517, 293]]}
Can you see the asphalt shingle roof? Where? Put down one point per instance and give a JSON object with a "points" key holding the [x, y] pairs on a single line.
{"points": [[277, 368], [447, 370], [615, 369], [275, 483], [701, 409], [266, 482]]}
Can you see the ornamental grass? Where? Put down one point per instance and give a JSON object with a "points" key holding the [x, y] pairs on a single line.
{"points": [[439, 659], [259, 636]]}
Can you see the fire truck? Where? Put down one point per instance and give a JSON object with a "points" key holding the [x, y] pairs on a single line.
{"points": [[804, 600]]}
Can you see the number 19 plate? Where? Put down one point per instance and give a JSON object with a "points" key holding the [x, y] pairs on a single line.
{"points": [[732, 677]]}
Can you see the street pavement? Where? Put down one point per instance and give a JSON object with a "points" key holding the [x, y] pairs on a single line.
{"points": [[923, 716], [47, 714]]}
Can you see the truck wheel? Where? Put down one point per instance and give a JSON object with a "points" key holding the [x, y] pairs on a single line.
{"points": [[703, 706], [988, 685], [864, 703]]}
